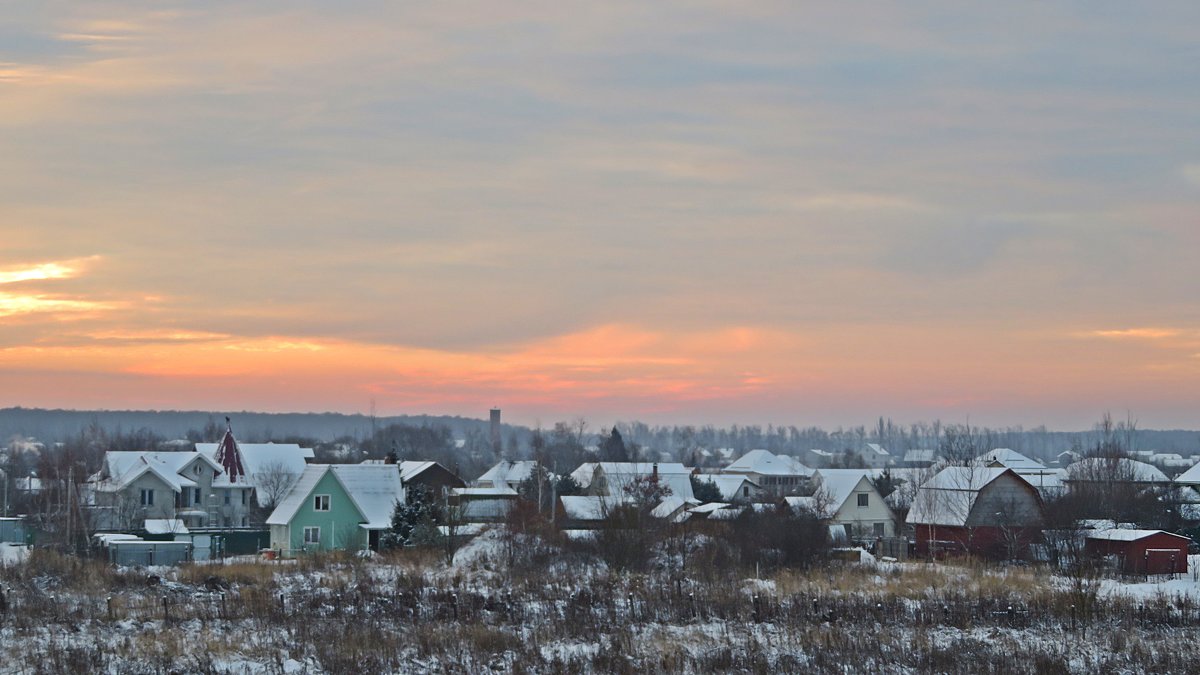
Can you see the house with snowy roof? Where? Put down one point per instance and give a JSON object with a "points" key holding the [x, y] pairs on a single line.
{"points": [[615, 479], [987, 511], [876, 456], [733, 487], [1050, 482], [777, 475], [506, 473], [847, 498], [266, 469], [336, 507], [132, 487]]}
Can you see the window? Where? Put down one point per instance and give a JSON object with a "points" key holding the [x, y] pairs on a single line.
{"points": [[879, 530], [245, 497], [147, 497], [198, 470], [196, 495], [228, 495], [864, 499], [745, 491], [312, 535], [321, 503], [245, 521]]}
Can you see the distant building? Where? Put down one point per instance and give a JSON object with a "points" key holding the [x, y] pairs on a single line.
{"points": [[611, 479], [777, 475], [847, 498], [494, 432]]}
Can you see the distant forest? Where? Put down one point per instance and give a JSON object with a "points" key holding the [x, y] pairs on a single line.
{"points": [[373, 435]]}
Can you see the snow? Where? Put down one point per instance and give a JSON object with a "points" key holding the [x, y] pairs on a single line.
{"points": [[765, 462], [13, 554]]}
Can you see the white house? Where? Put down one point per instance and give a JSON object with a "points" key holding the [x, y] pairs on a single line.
{"points": [[506, 474], [847, 498]]}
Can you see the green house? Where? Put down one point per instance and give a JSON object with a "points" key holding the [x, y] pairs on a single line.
{"points": [[336, 507]]}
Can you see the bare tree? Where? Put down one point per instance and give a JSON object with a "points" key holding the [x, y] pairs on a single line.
{"points": [[273, 483]]}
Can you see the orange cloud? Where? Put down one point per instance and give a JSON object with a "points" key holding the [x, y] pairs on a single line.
{"points": [[1147, 333]]}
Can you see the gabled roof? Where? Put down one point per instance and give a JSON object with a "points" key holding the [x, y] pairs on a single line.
{"points": [[878, 449], [1189, 477], [764, 462], [673, 475], [1129, 535], [508, 472], [1102, 468], [124, 467], [948, 498], [259, 459], [578, 507], [839, 484], [374, 490], [1011, 459], [730, 487], [921, 455]]}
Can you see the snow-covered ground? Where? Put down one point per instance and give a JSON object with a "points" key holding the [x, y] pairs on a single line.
{"points": [[11, 554], [1184, 585]]}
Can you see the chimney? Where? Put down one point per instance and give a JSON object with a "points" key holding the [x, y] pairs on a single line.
{"points": [[654, 472]]}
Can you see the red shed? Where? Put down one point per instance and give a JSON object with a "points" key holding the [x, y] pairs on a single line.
{"points": [[1142, 551]]}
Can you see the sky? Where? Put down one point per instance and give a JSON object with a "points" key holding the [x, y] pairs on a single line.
{"points": [[677, 212]]}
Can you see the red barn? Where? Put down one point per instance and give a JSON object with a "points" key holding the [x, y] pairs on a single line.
{"points": [[1141, 551], [986, 511]]}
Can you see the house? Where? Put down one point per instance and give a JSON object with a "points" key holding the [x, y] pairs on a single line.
{"points": [[1109, 470], [987, 511], [818, 457], [336, 507], [848, 499], [584, 512], [132, 487], [1141, 551], [1066, 458], [777, 475], [733, 487], [876, 456], [1049, 482], [436, 478], [615, 479], [920, 458], [481, 504], [1191, 477], [506, 474], [268, 469]]}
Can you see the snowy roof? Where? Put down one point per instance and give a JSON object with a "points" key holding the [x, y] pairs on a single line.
{"points": [[261, 459], [373, 488], [730, 487], [410, 470], [709, 507], [1011, 459], [839, 484], [878, 449], [1189, 477], [1129, 535], [500, 491], [578, 507], [730, 513], [947, 498], [125, 467], [508, 472], [1115, 468], [920, 455], [764, 462], [674, 475], [798, 504], [165, 526], [668, 507]]}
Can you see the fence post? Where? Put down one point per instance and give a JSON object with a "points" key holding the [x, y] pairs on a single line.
{"points": [[108, 602]]}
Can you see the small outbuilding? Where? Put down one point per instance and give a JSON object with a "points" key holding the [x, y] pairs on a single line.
{"points": [[1141, 551]]}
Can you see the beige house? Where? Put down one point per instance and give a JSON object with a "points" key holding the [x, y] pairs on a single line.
{"points": [[846, 498]]}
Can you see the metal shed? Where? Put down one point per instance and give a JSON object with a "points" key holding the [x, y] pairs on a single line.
{"points": [[1141, 551]]}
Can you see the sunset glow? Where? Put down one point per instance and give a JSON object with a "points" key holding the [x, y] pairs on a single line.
{"points": [[676, 213]]}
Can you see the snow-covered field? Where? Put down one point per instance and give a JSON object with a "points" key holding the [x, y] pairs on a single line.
{"points": [[486, 612]]}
